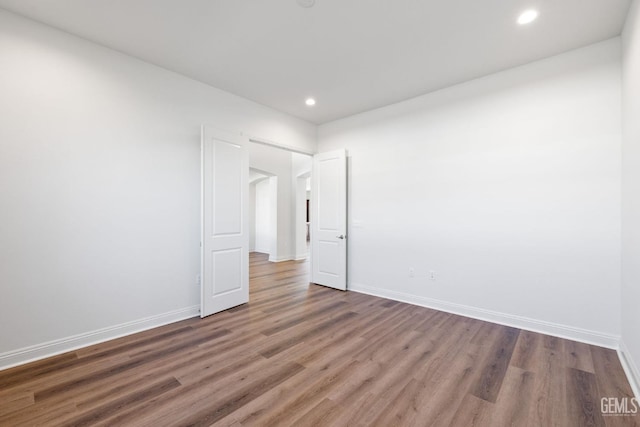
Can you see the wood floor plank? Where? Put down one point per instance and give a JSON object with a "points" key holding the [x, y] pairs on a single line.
{"points": [[298, 337], [266, 405], [434, 409], [610, 376], [305, 317], [527, 350], [611, 383], [582, 403], [306, 396], [300, 354], [353, 412], [121, 368], [215, 389], [241, 397], [513, 405], [489, 384], [401, 407], [324, 413], [548, 406], [553, 343], [357, 385], [43, 416], [15, 400], [578, 356], [473, 412], [130, 400], [22, 374]]}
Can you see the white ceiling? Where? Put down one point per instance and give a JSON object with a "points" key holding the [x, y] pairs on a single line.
{"points": [[352, 55]]}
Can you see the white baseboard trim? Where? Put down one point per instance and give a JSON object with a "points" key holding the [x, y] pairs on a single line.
{"points": [[547, 328], [59, 346], [300, 257], [630, 368], [280, 259]]}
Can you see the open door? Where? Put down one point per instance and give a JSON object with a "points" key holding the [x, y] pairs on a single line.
{"points": [[225, 220], [329, 219]]}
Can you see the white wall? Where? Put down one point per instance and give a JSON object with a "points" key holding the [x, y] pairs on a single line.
{"points": [[265, 237], [285, 166], [300, 164], [301, 170], [100, 187], [507, 187], [254, 178], [252, 216], [277, 162], [631, 192]]}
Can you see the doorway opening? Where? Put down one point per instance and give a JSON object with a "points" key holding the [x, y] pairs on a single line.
{"points": [[302, 215], [263, 214], [279, 207], [281, 210]]}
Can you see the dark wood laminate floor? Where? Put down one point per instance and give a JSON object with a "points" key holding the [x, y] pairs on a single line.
{"points": [[305, 355]]}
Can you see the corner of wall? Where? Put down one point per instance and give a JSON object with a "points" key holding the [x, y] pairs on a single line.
{"points": [[630, 368], [630, 284]]}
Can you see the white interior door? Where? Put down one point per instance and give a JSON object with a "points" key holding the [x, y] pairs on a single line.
{"points": [[329, 219], [225, 220]]}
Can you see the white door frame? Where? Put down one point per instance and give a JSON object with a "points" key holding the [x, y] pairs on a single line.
{"points": [[300, 214], [271, 245], [257, 140]]}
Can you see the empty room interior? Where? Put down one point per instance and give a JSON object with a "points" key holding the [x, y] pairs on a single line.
{"points": [[320, 213]]}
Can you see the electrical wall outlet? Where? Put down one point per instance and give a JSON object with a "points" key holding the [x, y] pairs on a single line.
{"points": [[432, 275], [198, 279], [412, 272]]}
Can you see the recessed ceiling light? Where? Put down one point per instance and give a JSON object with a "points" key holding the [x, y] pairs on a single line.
{"points": [[527, 17], [306, 3], [310, 102]]}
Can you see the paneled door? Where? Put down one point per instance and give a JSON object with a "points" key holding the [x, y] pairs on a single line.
{"points": [[329, 219], [225, 231]]}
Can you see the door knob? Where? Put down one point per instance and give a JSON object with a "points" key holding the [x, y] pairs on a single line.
{"points": [[341, 237]]}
